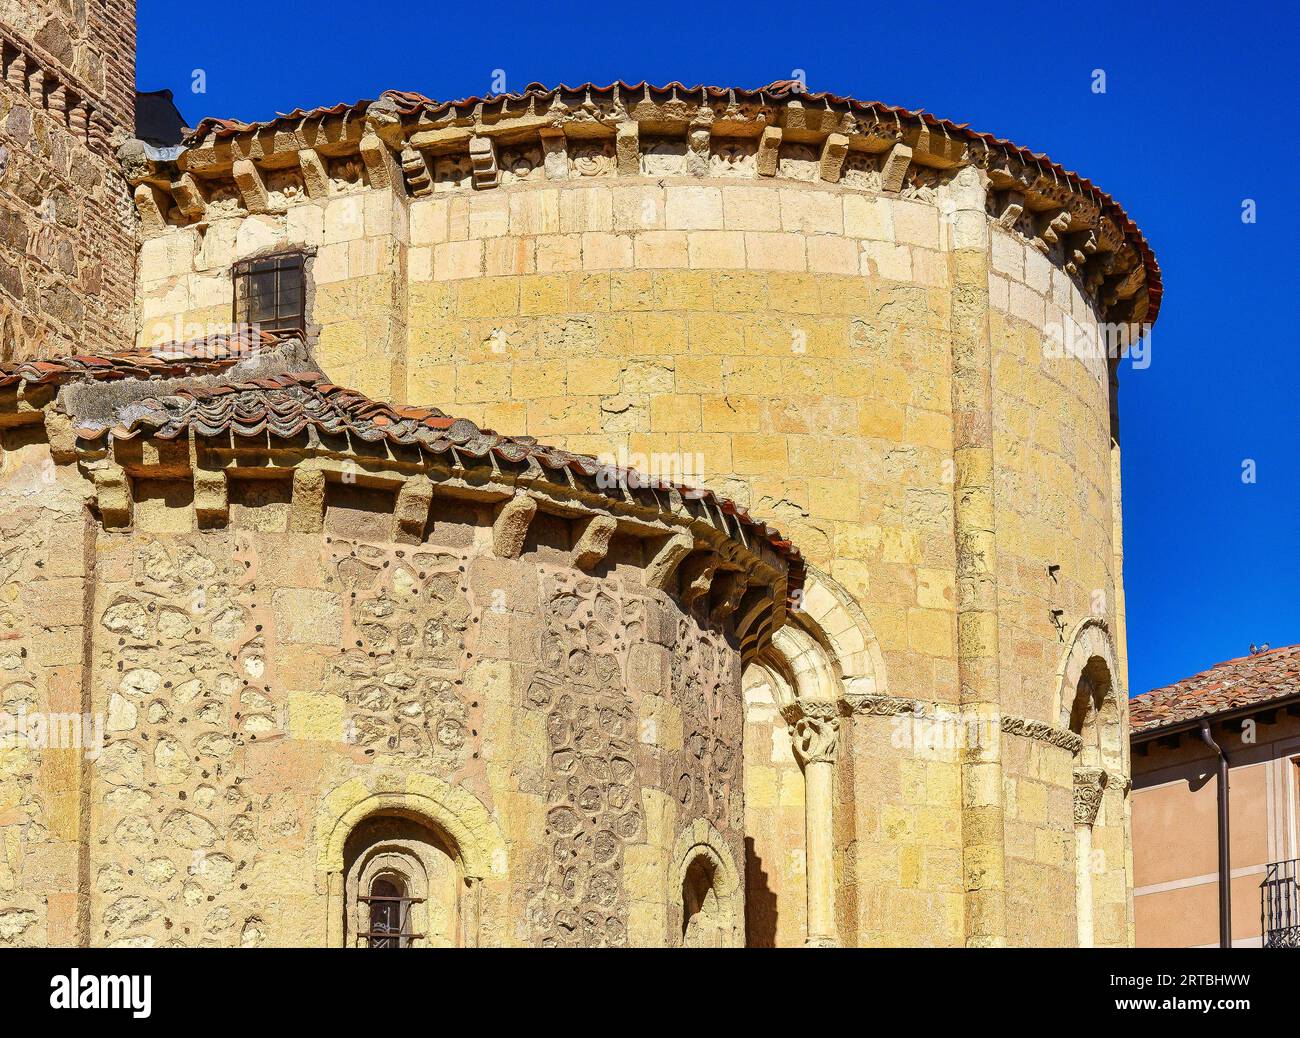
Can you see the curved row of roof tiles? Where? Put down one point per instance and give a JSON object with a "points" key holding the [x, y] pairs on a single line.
{"points": [[287, 403]]}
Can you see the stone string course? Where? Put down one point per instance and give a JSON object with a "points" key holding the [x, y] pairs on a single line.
{"points": [[894, 706]]}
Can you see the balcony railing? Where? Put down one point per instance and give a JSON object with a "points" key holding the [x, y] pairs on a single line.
{"points": [[1280, 905]]}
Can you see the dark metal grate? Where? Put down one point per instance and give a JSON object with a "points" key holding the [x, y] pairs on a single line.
{"points": [[1280, 905], [269, 293], [389, 918]]}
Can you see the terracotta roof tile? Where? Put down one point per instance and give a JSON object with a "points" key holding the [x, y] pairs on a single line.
{"points": [[197, 356], [1247, 681]]}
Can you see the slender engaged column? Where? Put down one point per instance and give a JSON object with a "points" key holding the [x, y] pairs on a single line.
{"points": [[335, 936], [983, 825], [816, 736], [1089, 784]]}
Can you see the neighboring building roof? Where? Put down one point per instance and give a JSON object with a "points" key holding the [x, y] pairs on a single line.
{"points": [[255, 401], [1233, 685], [789, 93], [157, 119]]}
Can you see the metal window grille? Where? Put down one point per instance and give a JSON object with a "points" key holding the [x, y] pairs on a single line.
{"points": [[390, 916], [270, 293]]}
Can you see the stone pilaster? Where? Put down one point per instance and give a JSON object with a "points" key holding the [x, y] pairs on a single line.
{"points": [[1121, 630], [983, 844]]}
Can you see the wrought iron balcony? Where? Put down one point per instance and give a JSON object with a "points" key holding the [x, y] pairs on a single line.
{"points": [[1280, 905]]}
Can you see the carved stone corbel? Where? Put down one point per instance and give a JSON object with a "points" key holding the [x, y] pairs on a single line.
{"points": [[112, 494], [1051, 226], [768, 160], [315, 177], [483, 162], [1012, 208], [381, 167], [1089, 785], [627, 148], [36, 87], [211, 487], [57, 99], [727, 591], [252, 186], [894, 168], [1097, 270], [79, 120], [699, 139], [1127, 286], [834, 151], [555, 153], [593, 543], [307, 507], [1078, 248], [211, 497], [150, 204], [659, 571], [99, 133], [16, 73], [415, 168], [60, 431], [411, 514], [189, 197], [697, 576], [510, 529]]}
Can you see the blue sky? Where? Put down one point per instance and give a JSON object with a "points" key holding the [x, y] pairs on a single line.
{"points": [[1197, 117]]}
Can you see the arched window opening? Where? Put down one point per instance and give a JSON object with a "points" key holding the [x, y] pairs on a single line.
{"points": [[701, 909], [712, 900], [403, 886], [1091, 707], [1094, 717]]}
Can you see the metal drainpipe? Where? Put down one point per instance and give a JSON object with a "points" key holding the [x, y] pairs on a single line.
{"points": [[1225, 860]]}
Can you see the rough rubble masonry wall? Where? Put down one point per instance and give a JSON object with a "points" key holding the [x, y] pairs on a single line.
{"points": [[580, 732]]}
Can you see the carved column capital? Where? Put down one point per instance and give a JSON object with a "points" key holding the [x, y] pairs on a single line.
{"points": [[815, 732], [1089, 784]]}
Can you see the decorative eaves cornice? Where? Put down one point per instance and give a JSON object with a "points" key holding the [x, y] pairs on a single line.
{"points": [[479, 143], [246, 400]]}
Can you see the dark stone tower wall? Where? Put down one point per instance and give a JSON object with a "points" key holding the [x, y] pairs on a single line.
{"points": [[67, 225]]}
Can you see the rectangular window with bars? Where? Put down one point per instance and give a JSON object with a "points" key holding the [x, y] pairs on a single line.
{"points": [[270, 292]]}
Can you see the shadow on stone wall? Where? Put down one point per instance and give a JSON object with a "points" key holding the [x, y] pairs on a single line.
{"points": [[760, 902]]}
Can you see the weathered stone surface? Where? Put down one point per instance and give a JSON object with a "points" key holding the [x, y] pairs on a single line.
{"points": [[67, 232], [844, 328], [511, 526], [593, 543]]}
